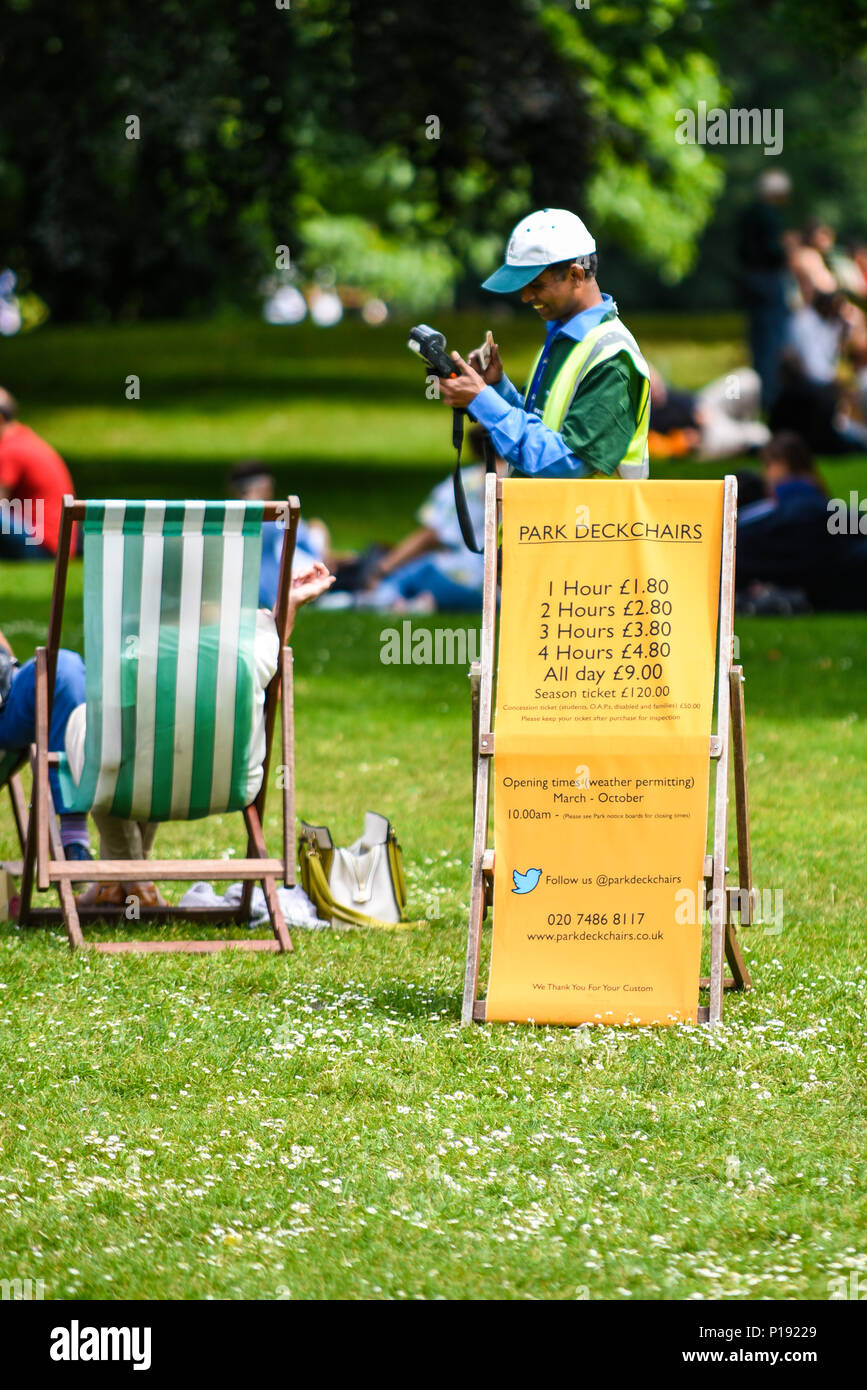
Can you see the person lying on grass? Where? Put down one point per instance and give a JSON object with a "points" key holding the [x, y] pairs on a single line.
{"points": [[119, 839]]}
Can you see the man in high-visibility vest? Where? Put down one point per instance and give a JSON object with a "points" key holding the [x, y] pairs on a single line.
{"points": [[587, 407]]}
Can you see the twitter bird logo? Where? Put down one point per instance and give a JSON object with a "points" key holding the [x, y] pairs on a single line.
{"points": [[525, 883]]}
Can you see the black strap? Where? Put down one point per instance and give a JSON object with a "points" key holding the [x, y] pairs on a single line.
{"points": [[463, 511]]}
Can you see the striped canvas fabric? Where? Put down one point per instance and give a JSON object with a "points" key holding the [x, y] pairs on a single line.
{"points": [[170, 597]]}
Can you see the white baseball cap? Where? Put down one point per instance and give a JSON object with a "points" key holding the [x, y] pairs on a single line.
{"points": [[540, 240]]}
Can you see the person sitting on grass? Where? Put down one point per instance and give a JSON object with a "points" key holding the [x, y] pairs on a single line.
{"points": [[786, 558], [33, 482], [812, 402], [431, 569], [119, 839], [253, 482], [719, 421]]}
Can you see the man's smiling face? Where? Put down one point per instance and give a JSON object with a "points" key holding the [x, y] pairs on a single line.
{"points": [[554, 295]]}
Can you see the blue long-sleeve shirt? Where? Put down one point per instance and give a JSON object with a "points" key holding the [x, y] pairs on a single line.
{"points": [[518, 433]]}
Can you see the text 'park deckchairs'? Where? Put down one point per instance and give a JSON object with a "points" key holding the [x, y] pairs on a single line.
{"points": [[725, 902], [173, 731]]}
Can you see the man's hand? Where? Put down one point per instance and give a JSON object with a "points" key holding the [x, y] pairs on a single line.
{"points": [[494, 370], [461, 391]]}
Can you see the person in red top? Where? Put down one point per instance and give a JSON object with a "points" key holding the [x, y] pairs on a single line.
{"points": [[33, 480]]}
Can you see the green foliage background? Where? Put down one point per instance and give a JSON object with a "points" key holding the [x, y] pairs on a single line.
{"points": [[309, 126]]}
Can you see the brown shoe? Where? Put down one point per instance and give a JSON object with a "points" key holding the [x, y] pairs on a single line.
{"points": [[147, 893], [102, 895]]}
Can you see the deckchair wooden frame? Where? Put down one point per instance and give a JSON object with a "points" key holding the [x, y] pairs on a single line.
{"points": [[43, 864], [726, 903]]}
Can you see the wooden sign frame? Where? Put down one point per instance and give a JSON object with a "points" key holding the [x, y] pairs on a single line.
{"points": [[726, 902]]}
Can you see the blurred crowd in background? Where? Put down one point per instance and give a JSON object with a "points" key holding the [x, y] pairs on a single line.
{"points": [[805, 298], [790, 559]]}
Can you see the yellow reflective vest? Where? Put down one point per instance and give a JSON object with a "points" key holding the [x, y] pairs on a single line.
{"points": [[603, 341]]}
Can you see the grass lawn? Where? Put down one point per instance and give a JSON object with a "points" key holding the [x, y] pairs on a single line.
{"points": [[319, 1125], [340, 415]]}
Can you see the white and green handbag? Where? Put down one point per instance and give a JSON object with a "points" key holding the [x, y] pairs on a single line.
{"points": [[362, 885]]}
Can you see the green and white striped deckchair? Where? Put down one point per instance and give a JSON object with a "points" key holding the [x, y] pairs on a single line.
{"points": [[173, 731]]}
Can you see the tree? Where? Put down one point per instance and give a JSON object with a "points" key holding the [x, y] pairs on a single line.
{"points": [[154, 157]]}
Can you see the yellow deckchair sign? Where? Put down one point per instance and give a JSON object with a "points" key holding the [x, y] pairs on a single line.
{"points": [[600, 769]]}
